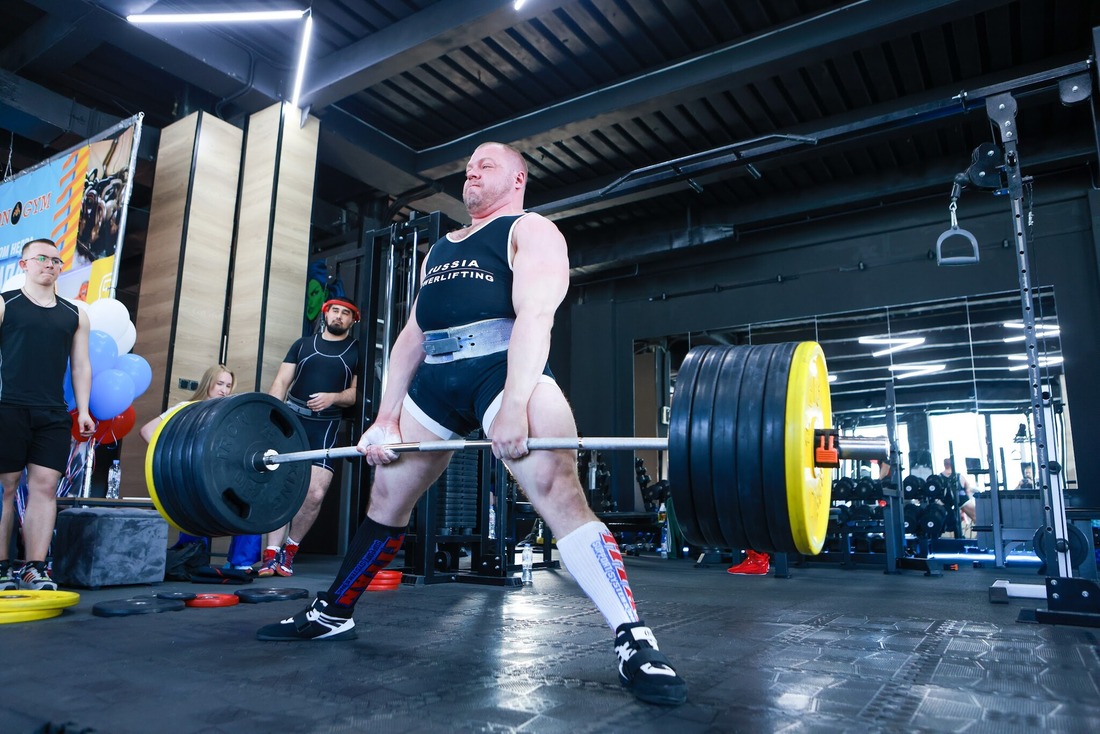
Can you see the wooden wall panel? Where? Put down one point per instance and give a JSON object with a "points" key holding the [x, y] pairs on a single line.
{"points": [[269, 276], [185, 271]]}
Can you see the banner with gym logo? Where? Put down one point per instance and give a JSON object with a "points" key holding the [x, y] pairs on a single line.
{"points": [[78, 199]]}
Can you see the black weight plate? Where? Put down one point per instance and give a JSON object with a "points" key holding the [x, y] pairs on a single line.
{"points": [[246, 499], [1079, 545], [750, 438], [179, 595], [865, 489], [913, 487], [679, 445], [205, 500], [184, 470], [844, 489], [165, 465], [166, 494], [128, 607], [911, 519], [724, 448], [703, 414], [773, 450], [258, 596], [935, 488]]}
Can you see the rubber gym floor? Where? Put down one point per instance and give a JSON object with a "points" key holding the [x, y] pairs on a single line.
{"points": [[831, 649]]}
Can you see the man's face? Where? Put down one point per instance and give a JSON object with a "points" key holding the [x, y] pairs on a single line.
{"points": [[46, 271], [490, 177], [338, 319]]}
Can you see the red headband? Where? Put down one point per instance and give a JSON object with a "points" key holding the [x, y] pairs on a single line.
{"points": [[342, 302]]}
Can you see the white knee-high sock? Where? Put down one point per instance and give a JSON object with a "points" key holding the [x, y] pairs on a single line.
{"points": [[591, 554]]}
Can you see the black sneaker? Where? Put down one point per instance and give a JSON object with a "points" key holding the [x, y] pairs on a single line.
{"points": [[316, 622], [34, 577], [644, 669], [7, 581]]}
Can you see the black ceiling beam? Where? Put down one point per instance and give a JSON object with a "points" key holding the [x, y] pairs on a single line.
{"points": [[915, 111], [429, 34], [362, 152], [38, 114], [764, 55], [203, 58]]}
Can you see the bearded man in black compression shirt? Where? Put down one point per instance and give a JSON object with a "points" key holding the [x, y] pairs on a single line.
{"points": [[474, 353], [317, 379]]}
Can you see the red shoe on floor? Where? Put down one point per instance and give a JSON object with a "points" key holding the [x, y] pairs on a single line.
{"points": [[755, 564], [285, 565], [268, 563]]}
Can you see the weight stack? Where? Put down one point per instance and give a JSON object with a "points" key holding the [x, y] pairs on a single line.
{"points": [[457, 497]]}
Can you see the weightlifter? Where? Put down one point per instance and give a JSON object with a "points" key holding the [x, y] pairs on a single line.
{"points": [[474, 353], [316, 379]]}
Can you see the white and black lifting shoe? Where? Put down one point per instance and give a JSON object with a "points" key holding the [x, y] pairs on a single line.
{"points": [[321, 620], [644, 669]]}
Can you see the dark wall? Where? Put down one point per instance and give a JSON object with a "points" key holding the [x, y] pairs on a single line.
{"points": [[862, 260]]}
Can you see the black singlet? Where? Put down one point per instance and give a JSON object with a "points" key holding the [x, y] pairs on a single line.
{"points": [[35, 344]]}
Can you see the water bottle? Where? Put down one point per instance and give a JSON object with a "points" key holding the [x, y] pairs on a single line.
{"points": [[527, 558], [492, 522], [114, 478], [662, 517]]}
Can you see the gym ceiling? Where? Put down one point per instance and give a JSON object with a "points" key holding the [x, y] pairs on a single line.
{"points": [[636, 116]]}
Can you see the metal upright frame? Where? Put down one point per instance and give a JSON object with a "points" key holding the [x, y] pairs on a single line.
{"points": [[1069, 600]]}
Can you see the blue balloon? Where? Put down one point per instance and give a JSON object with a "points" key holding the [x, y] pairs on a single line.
{"points": [[138, 370], [112, 393], [67, 388], [102, 351]]}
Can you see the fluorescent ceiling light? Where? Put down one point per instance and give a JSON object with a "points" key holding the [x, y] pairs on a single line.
{"points": [[1040, 331], [518, 4], [303, 54], [915, 369], [893, 344], [227, 17], [1043, 361]]}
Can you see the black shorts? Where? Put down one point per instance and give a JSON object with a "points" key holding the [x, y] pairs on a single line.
{"points": [[41, 436], [453, 399], [321, 434]]}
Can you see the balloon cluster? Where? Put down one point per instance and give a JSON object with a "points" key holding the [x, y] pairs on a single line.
{"points": [[118, 377]]}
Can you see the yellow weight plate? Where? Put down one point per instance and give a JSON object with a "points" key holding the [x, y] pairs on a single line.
{"points": [[149, 454], [28, 616], [21, 601], [809, 406]]}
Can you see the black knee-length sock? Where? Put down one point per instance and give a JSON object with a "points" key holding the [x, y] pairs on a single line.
{"points": [[371, 550]]}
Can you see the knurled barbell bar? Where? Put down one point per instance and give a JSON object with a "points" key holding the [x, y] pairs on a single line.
{"points": [[750, 453]]}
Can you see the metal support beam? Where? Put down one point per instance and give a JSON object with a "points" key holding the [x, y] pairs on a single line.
{"points": [[761, 56]]}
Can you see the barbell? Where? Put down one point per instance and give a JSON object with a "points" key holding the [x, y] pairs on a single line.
{"points": [[750, 453]]}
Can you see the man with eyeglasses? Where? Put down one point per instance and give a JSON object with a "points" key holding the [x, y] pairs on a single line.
{"points": [[39, 333]]}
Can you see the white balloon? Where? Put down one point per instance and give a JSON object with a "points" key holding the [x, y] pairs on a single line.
{"points": [[129, 338], [14, 283], [109, 316]]}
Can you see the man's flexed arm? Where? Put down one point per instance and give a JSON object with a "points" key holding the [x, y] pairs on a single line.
{"points": [[540, 272]]}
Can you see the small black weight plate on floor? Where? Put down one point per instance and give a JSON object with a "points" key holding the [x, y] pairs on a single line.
{"points": [[724, 448], [258, 596], [679, 445], [179, 595], [128, 607], [773, 455]]}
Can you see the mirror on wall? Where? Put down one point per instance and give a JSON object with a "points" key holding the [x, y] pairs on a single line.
{"points": [[953, 362]]}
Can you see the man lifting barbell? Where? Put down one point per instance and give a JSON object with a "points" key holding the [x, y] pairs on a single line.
{"points": [[474, 353]]}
